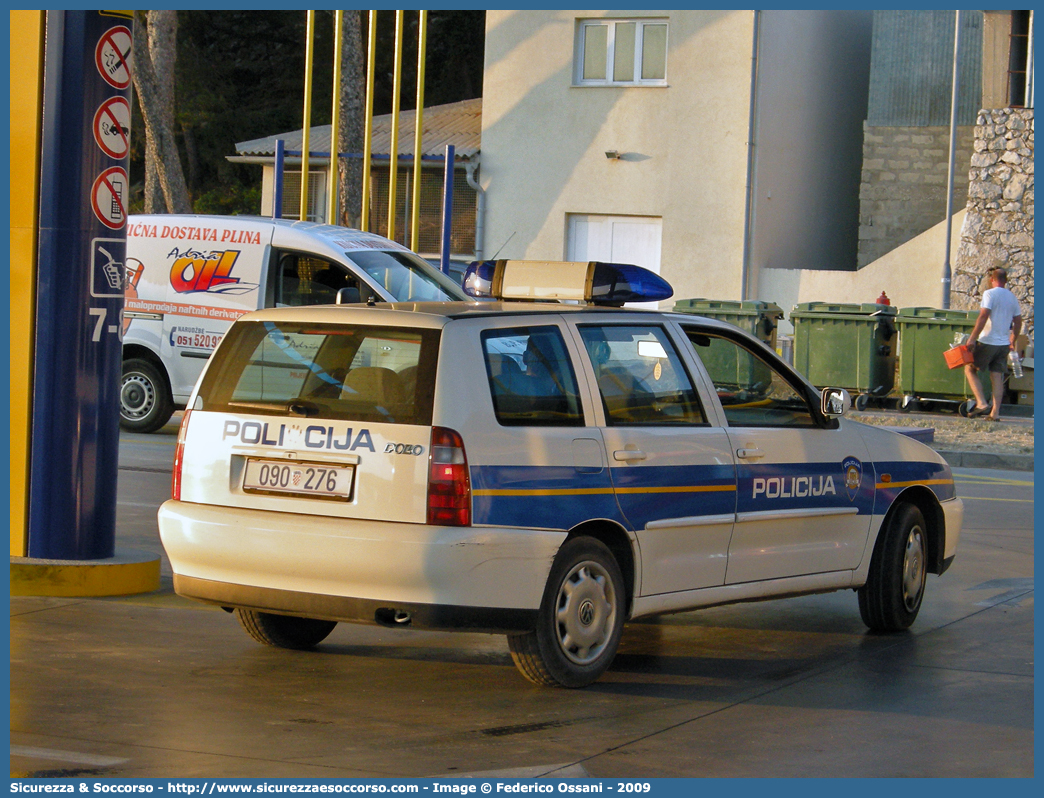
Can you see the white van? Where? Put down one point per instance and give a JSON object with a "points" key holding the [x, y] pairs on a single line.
{"points": [[190, 277]]}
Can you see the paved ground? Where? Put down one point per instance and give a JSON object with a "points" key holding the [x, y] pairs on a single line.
{"points": [[159, 686]]}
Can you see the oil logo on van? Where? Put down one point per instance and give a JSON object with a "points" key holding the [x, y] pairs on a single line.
{"points": [[210, 272]]}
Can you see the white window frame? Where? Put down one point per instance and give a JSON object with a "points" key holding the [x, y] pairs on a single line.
{"points": [[610, 54]]}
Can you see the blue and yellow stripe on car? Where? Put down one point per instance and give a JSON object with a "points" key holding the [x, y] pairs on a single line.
{"points": [[895, 476], [551, 497]]}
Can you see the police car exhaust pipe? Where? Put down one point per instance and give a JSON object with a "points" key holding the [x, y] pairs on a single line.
{"points": [[388, 616]]}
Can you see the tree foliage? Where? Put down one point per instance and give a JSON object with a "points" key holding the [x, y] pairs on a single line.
{"points": [[240, 76], [154, 43]]}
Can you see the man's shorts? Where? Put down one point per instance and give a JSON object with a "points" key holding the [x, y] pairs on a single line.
{"points": [[991, 357]]}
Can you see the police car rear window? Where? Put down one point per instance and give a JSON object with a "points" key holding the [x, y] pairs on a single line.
{"points": [[531, 378], [357, 373]]}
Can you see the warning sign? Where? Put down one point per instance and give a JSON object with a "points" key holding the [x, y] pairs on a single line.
{"points": [[112, 56], [112, 127], [109, 197]]}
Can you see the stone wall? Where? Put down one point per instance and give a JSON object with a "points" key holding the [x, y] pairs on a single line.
{"points": [[903, 188], [998, 229]]}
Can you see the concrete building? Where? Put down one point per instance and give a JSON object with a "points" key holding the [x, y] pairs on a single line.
{"points": [[741, 154], [710, 146]]}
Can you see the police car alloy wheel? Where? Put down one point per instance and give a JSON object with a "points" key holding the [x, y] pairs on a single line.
{"points": [[284, 631], [145, 401], [580, 621], [891, 597]]}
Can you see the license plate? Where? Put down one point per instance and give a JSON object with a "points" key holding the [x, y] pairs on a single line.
{"points": [[302, 479]]}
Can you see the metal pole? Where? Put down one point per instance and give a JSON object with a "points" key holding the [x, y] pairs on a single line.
{"points": [[393, 173], [277, 181], [947, 272], [1029, 64], [418, 134], [447, 208], [305, 143], [335, 121], [748, 190], [371, 59]]}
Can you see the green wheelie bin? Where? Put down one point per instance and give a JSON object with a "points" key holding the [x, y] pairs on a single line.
{"points": [[846, 346], [757, 317], [924, 335]]}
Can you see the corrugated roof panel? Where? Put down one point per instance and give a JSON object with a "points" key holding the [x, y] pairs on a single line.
{"points": [[911, 68], [459, 124]]}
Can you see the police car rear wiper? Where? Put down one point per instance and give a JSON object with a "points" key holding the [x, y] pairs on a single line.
{"points": [[302, 407]]}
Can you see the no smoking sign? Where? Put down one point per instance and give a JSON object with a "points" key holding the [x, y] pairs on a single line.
{"points": [[112, 127], [109, 197], [112, 56]]}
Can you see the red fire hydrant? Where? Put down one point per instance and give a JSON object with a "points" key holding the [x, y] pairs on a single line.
{"points": [[883, 299]]}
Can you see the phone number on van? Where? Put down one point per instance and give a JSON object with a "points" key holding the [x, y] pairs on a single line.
{"points": [[197, 340]]}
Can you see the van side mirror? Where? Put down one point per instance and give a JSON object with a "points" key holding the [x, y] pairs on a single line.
{"points": [[835, 402], [347, 295]]}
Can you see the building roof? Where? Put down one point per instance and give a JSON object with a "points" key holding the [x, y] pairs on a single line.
{"points": [[459, 124]]}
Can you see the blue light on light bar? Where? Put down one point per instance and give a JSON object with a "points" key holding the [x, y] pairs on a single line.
{"points": [[478, 279], [616, 283], [589, 281]]}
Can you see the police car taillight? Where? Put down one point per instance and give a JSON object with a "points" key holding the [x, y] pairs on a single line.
{"points": [[581, 281], [179, 454], [449, 485]]}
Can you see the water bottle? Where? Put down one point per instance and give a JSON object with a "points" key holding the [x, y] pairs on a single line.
{"points": [[1016, 364], [959, 338]]}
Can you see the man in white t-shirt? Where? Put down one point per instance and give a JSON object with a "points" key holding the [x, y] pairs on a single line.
{"points": [[992, 337]]}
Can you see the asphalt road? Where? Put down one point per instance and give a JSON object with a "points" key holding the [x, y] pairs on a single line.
{"points": [[159, 686]]}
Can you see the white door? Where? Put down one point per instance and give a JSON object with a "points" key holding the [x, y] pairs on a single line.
{"points": [[617, 239], [804, 493], [672, 472]]}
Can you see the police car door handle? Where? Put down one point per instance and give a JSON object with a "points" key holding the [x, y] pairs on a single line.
{"points": [[749, 454], [628, 454]]}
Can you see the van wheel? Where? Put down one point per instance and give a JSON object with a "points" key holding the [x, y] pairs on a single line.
{"points": [[891, 597], [580, 620], [145, 400], [284, 631]]}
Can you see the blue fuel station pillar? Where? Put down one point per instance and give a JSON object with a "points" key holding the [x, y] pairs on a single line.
{"points": [[84, 191]]}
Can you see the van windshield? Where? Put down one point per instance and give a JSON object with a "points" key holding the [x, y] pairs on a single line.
{"points": [[324, 371], [406, 277]]}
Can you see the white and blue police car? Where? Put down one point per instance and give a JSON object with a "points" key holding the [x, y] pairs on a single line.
{"points": [[546, 465]]}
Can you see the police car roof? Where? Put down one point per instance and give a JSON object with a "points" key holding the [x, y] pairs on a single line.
{"points": [[437, 314]]}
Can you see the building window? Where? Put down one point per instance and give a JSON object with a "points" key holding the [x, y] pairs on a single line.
{"points": [[316, 196], [621, 52], [462, 226]]}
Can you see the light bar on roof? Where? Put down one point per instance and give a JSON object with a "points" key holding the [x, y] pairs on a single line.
{"points": [[582, 281]]}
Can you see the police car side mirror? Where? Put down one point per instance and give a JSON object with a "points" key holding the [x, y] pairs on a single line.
{"points": [[835, 402]]}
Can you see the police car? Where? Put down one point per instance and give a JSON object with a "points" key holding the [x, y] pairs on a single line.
{"points": [[546, 465]]}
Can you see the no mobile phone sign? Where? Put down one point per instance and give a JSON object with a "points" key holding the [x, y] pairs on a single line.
{"points": [[109, 197]]}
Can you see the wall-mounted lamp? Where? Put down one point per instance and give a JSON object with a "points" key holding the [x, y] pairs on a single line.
{"points": [[612, 155]]}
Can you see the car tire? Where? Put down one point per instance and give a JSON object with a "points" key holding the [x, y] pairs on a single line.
{"points": [[894, 589], [284, 631], [580, 620], [145, 400]]}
